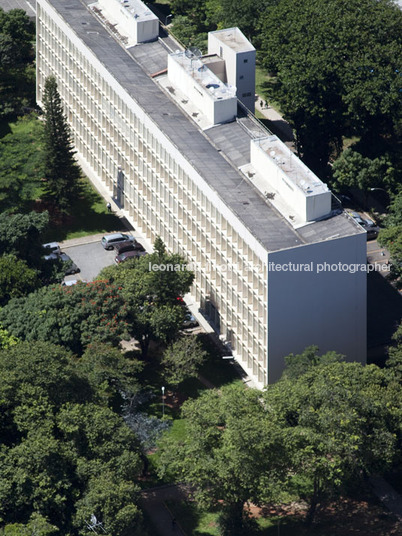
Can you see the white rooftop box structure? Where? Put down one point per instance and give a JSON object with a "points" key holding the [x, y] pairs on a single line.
{"points": [[216, 100], [239, 54], [283, 172], [134, 19]]}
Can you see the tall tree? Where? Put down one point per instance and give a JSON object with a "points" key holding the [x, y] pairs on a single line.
{"points": [[391, 236], [353, 170], [62, 172], [182, 359], [64, 456], [16, 279], [340, 423], [152, 287], [17, 74], [337, 71], [73, 317], [299, 364], [231, 453], [21, 235]]}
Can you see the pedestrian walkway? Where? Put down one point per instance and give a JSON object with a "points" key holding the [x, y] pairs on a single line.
{"points": [[277, 123], [153, 502], [387, 495]]}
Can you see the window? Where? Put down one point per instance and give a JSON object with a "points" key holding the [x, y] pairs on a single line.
{"points": [[241, 77], [246, 94], [245, 61]]}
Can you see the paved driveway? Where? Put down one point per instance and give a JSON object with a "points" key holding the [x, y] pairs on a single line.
{"points": [[89, 255], [90, 258]]}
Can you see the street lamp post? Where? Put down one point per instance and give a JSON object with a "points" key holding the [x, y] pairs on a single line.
{"points": [[167, 19], [163, 401], [380, 189], [383, 202]]}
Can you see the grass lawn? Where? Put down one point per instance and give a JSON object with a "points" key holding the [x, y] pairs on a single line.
{"points": [[193, 519], [218, 371], [21, 163], [347, 142], [21, 156], [363, 517], [263, 87], [89, 216]]}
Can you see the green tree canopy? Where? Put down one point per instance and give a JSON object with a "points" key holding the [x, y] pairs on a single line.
{"points": [[337, 71], [6, 340], [21, 235], [62, 172], [340, 423], [182, 359], [111, 374], [64, 455], [353, 170], [16, 279], [391, 236], [70, 316], [36, 526], [230, 452], [394, 361], [16, 25], [299, 364], [17, 74], [153, 296]]}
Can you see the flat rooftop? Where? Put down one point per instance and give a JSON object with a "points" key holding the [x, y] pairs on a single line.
{"points": [[295, 169], [216, 154], [204, 76], [137, 9], [234, 38], [28, 6]]}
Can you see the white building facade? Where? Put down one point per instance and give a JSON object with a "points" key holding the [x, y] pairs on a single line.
{"points": [[239, 56], [172, 180]]}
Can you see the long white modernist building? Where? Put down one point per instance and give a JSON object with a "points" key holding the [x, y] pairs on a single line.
{"points": [[161, 129]]}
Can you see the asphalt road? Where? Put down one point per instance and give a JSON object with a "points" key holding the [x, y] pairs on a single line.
{"points": [[378, 256], [90, 258]]}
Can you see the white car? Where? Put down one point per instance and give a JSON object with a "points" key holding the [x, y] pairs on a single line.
{"points": [[52, 249]]}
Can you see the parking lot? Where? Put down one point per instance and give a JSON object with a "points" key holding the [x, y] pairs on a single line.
{"points": [[88, 254]]}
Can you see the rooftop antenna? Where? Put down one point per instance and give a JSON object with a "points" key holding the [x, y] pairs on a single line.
{"points": [[196, 52], [193, 53]]}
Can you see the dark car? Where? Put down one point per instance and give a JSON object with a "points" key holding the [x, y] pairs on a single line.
{"points": [[128, 255], [71, 267], [371, 228], [128, 245]]}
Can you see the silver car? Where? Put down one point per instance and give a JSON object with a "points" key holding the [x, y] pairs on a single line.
{"points": [[109, 241]]}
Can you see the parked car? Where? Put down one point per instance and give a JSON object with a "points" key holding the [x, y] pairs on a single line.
{"points": [[128, 255], [128, 245], [52, 249], [189, 321], [109, 241], [369, 226], [72, 282], [69, 283], [71, 267], [358, 219]]}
